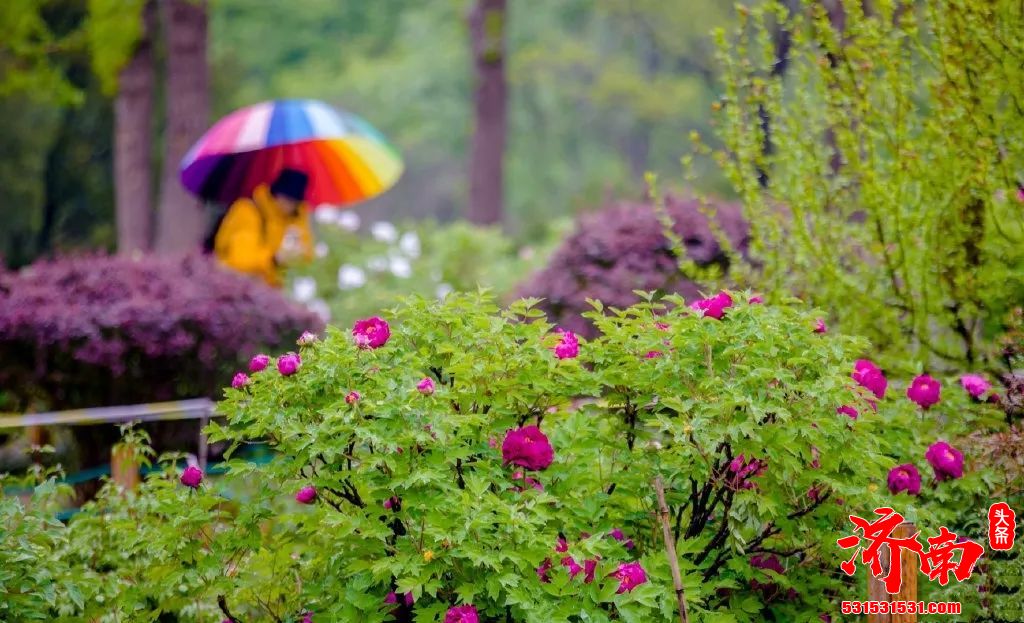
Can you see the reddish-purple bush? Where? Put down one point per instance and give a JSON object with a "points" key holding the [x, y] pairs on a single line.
{"points": [[623, 248], [91, 331]]}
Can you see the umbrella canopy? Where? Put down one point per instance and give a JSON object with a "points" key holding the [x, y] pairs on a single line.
{"points": [[346, 158]]}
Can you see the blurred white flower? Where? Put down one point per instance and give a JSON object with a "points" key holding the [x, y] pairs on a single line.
{"points": [[409, 243], [304, 289], [400, 267], [384, 231], [377, 264], [320, 308], [526, 253], [443, 290], [350, 276], [325, 215], [321, 249], [346, 219]]}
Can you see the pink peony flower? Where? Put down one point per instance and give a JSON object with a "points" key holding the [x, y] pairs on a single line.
{"points": [[619, 536], [371, 332], [868, 376], [306, 338], [924, 390], [1020, 194], [353, 397], [849, 411], [259, 362], [462, 614], [492, 442], [568, 347], [527, 447], [713, 307], [393, 503], [543, 569], [904, 478], [240, 380], [307, 618], [192, 476], [653, 354], [661, 326], [426, 386], [975, 384], [815, 458], [630, 575], [526, 481], [589, 567], [306, 495], [769, 563], [947, 461], [392, 598], [289, 364], [574, 567], [743, 470], [757, 299], [562, 545], [820, 326]]}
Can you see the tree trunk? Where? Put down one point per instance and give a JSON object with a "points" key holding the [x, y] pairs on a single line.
{"points": [[133, 113], [490, 102], [180, 218]]}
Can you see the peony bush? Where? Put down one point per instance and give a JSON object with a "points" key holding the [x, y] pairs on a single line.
{"points": [[517, 485]]}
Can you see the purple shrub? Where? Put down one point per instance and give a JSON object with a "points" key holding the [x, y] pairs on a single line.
{"points": [[95, 331], [621, 249]]}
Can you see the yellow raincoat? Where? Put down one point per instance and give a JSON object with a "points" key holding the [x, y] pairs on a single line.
{"points": [[252, 232]]}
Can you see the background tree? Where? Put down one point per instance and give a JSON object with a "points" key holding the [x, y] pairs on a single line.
{"points": [[180, 220], [487, 21]]}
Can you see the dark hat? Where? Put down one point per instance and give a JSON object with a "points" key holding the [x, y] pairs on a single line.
{"points": [[290, 183]]}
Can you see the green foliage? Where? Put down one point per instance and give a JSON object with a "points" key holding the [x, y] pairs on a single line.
{"points": [[468, 529], [892, 167], [113, 30], [28, 51], [360, 273]]}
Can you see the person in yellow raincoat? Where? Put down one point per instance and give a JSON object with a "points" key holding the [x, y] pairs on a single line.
{"points": [[262, 234]]}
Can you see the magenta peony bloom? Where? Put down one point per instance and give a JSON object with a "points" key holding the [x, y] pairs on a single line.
{"points": [[947, 461], [307, 618], [392, 598], [924, 390], [589, 567], [848, 411], [259, 362], [568, 347], [240, 380], [975, 384], [462, 614], [426, 386], [868, 376], [520, 477], [371, 332], [353, 397], [661, 326], [618, 535], [543, 569], [743, 470], [562, 545], [307, 338], [306, 495], [192, 476], [393, 503], [289, 364], [904, 478], [527, 447], [574, 567], [713, 307], [757, 299], [653, 354], [820, 326], [630, 575]]}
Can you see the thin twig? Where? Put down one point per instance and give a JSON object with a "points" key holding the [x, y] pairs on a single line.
{"points": [[670, 550]]}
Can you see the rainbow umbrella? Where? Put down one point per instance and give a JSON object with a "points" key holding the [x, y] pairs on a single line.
{"points": [[346, 158]]}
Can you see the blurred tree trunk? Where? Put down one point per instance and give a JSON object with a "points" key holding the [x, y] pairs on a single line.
{"points": [[490, 109], [133, 113], [180, 219]]}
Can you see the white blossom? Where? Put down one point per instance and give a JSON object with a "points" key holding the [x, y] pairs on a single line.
{"points": [[347, 220], [304, 289], [326, 215], [377, 264], [443, 290], [350, 277], [400, 267], [321, 249], [384, 231], [409, 243]]}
